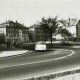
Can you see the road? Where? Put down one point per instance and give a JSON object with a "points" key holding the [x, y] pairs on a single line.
{"points": [[37, 63]]}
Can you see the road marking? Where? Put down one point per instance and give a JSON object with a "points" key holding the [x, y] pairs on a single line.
{"points": [[72, 52]]}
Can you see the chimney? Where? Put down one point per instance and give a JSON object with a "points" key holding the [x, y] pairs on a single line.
{"points": [[6, 21], [16, 21]]}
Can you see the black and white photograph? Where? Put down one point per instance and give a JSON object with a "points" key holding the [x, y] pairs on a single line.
{"points": [[39, 39]]}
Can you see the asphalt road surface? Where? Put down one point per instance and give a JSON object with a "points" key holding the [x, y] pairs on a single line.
{"points": [[37, 63]]}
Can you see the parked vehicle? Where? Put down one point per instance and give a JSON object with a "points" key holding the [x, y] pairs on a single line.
{"points": [[40, 46]]}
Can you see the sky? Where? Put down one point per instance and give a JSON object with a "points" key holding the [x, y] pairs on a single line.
{"points": [[29, 12]]}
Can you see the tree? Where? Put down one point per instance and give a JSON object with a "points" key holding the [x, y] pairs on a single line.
{"points": [[49, 25], [65, 33], [2, 38]]}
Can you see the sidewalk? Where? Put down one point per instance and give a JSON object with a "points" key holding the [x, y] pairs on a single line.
{"points": [[12, 53], [76, 47]]}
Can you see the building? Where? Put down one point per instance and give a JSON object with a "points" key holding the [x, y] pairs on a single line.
{"points": [[14, 31], [70, 25], [38, 34], [78, 31]]}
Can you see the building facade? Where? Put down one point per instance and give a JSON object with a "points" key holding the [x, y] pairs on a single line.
{"points": [[14, 31], [37, 34], [78, 31]]}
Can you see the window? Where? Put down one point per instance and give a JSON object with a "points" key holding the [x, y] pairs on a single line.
{"points": [[8, 34], [24, 39], [26, 34], [12, 34], [16, 35], [10, 29]]}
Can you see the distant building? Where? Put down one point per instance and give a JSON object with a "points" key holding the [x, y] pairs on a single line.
{"points": [[14, 31], [78, 31], [70, 25], [38, 34]]}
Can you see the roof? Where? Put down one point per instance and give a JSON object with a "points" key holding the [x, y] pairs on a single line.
{"points": [[35, 26], [69, 22], [6, 24], [78, 22], [20, 25]]}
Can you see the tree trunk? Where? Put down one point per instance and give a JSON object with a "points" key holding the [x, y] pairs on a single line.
{"points": [[51, 36]]}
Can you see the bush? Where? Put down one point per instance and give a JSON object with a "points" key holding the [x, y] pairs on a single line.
{"points": [[65, 44], [3, 47], [28, 46], [18, 45]]}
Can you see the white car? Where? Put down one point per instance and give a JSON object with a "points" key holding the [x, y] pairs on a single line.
{"points": [[40, 46]]}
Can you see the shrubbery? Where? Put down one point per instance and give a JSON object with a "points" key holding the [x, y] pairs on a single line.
{"points": [[26, 46], [65, 44]]}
